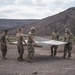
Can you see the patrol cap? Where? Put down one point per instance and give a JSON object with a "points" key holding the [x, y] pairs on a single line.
{"points": [[55, 30], [32, 29], [19, 29], [6, 31]]}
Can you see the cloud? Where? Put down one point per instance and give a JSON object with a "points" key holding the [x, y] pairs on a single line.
{"points": [[24, 2], [31, 9], [6, 2]]}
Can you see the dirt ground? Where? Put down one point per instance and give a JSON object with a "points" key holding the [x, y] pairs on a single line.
{"points": [[42, 63]]}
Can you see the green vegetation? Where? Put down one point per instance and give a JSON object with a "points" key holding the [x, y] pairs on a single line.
{"points": [[12, 39]]}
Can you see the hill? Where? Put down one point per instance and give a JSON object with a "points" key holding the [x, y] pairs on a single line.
{"points": [[12, 24], [61, 21], [45, 26]]}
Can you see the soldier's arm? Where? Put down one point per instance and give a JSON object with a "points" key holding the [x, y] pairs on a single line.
{"points": [[2, 41], [71, 37], [23, 39], [64, 38], [32, 39], [24, 42], [8, 39]]}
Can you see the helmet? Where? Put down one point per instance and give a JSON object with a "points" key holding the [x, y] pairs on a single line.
{"points": [[66, 30], [32, 29]]}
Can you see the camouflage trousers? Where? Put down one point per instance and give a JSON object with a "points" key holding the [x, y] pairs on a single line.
{"points": [[54, 50], [20, 50], [4, 50], [67, 49], [30, 50]]}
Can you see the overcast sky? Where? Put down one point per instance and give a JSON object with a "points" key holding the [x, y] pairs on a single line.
{"points": [[32, 9]]}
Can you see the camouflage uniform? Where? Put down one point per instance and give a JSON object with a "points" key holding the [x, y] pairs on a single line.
{"points": [[68, 47], [3, 45], [30, 46], [55, 36], [20, 45]]}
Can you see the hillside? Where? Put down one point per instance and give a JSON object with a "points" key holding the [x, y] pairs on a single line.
{"points": [[12, 24], [61, 21], [45, 26]]}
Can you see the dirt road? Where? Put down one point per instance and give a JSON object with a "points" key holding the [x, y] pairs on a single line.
{"points": [[42, 64]]}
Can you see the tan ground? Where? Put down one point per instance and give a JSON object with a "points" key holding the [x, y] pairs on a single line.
{"points": [[42, 63]]}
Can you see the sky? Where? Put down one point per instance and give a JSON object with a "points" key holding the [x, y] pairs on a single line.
{"points": [[32, 9]]}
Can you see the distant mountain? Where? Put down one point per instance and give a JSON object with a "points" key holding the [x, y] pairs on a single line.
{"points": [[61, 21], [15, 23], [45, 26]]}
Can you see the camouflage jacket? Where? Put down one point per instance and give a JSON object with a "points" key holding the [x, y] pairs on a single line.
{"points": [[55, 36]]}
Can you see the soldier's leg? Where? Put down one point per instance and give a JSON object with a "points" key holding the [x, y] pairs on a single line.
{"points": [[55, 50], [31, 53], [69, 50], [18, 49], [21, 54], [5, 50], [69, 53], [65, 51], [28, 46], [52, 50], [2, 49]]}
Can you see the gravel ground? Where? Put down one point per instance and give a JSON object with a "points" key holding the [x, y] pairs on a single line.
{"points": [[42, 63]]}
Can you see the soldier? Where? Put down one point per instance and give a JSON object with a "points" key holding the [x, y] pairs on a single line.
{"points": [[68, 36], [20, 47], [55, 36], [30, 44], [4, 39]]}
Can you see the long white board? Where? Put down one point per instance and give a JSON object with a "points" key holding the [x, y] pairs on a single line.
{"points": [[50, 42]]}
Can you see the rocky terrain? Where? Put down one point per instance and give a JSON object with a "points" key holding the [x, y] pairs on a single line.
{"points": [[43, 63]]}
